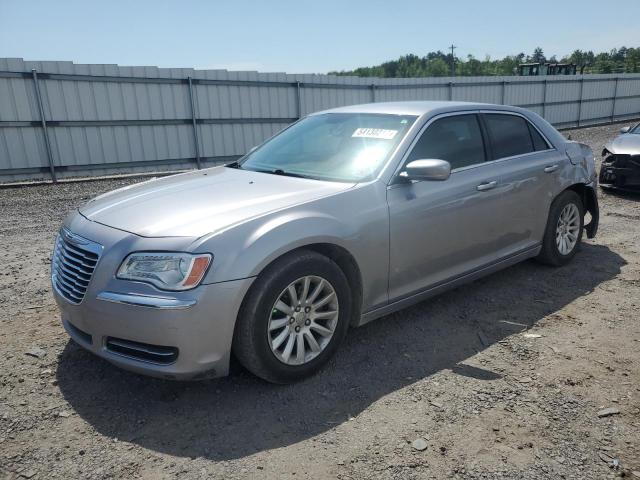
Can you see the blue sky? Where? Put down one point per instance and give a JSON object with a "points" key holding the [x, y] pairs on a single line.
{"points": [[304, 36]]}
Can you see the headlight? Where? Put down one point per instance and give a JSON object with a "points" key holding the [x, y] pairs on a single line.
{"points": [[167, 271]]}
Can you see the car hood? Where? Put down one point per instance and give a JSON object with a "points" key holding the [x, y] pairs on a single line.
{"points": [[203, 202], [627, 144]]}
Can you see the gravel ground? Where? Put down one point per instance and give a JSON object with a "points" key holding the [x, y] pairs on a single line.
{"points": [[503, 378]]}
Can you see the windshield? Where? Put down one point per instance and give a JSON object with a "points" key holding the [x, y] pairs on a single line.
{"points": [[343, 147]]}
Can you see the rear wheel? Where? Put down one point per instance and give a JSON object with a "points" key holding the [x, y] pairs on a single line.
{"points": [[294, 318], [564, 229]]}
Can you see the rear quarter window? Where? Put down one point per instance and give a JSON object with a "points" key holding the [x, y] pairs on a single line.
{"points": [[539, 143]]}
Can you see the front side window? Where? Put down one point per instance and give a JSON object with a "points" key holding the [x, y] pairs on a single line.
{"points": [[635, 129], [509, 135], [343, 147], [456, 139]]}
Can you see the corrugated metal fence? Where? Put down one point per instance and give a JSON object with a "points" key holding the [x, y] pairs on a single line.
{"points": [[59, 119]]}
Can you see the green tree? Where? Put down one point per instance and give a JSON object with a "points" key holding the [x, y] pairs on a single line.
{"points": [[438, 68], [632, 61], [437, 63], [538, 56], [603, 63], [473, 66]]}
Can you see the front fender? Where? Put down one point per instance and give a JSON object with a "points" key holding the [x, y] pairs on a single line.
{"points": [[276, 236], [356, 220]]}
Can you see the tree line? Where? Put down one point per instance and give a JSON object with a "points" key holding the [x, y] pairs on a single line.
{"points": [[438, 64]]}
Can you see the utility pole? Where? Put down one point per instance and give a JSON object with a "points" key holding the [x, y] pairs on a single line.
{"points": [[453, 60]]}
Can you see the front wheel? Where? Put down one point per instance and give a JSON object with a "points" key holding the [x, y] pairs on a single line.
{"points": [[294, 318], [563, 233]]}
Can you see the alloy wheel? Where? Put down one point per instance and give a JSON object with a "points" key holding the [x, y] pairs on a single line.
{"points": [[568, 228], [303, 320]]}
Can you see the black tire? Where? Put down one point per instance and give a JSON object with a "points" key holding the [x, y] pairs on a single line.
{"points": [[250, 343], [550, 253]]}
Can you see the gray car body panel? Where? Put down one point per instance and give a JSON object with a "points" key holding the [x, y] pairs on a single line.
{"points": [[409, 240], [202, 333], [197, 203]]}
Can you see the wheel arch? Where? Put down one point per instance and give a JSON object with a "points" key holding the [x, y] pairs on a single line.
{"points": [[349, 266], [345, 261], [590, 202]]}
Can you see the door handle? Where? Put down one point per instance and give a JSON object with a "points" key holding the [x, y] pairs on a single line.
{"points": [[551, 168], [486, 186]]}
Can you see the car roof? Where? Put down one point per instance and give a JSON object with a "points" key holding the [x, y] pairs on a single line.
{"points": [[418, 108]]}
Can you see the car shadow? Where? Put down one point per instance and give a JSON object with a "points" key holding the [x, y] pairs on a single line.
{"points": [[241, 415]]}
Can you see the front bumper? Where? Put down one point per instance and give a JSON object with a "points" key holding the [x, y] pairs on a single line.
{"points": [[173, 335], [200, 334]]}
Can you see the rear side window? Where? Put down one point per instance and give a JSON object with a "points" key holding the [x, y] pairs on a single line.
{"points": [[509, 134], [456, 139]]}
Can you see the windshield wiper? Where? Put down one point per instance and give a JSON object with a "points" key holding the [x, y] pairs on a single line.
{"points": [[279, 171]]}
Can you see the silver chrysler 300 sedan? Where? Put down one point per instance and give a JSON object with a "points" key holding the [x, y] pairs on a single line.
{"points": [[345, 216]]}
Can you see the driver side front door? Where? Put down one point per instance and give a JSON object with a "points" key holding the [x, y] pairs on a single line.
{"points": [[440, 230]]}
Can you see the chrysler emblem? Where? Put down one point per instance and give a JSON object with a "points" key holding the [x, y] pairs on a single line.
{"points": [[73, 238]]}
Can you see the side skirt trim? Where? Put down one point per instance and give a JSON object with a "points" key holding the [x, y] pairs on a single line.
{"points": [[449, 284]]}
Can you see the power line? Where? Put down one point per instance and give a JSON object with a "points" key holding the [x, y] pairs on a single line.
{"points": [[453, 60]]}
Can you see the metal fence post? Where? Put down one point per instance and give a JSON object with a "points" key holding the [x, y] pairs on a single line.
{"points": [[450, 90], [504, 91], [193, 120], [615, 97], [43, 120], [580, 100], [373, 92], [544, 100], [299, 99]]}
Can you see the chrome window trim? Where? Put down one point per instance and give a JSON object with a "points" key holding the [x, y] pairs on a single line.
{"points": [[498, 160], [475, 165]]}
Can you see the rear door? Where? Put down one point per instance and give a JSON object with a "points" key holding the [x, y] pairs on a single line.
{"points": [[440, 230], [528, 166]]}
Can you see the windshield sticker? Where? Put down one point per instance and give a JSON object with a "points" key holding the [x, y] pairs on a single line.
{"points": [[380, 133]]}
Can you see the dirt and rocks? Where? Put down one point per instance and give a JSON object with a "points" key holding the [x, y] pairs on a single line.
{"points": [[531, 373]]}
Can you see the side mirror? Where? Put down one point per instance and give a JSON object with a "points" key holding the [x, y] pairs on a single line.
{"points": [[625, 129], [427, 169]]}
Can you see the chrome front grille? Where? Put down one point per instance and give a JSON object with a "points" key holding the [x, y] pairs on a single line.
{"points": [[72, 264]]}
